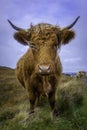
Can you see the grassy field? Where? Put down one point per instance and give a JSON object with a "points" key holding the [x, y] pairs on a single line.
{"points": [[71, 103]]}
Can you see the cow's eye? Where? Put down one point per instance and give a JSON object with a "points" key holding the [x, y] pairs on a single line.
{"points": [[55, 46], [32, 45]]}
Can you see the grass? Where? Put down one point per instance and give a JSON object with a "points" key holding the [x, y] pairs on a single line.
{"points": [[71, 104], [70, 95]]}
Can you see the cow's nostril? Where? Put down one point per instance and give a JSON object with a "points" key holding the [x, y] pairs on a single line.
{"points": [[44, 68]]}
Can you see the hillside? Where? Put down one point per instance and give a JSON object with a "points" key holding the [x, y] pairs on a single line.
{"points": [[71, 104]]}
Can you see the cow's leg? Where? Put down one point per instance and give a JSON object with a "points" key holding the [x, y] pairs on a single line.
{"points": [[51, 99], [31, 95], [32, 99], [38, 100]]}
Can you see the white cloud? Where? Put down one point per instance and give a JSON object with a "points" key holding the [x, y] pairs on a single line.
{"points": [[72, 60]]}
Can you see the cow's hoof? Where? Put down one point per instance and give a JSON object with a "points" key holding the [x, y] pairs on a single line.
{"points": [[54, 114], [31, 112]]}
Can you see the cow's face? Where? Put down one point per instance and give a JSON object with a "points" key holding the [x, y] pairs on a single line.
{"points": [[44, 46]]}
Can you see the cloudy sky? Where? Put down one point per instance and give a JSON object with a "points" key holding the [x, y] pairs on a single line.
{"points": [[57, 12]]}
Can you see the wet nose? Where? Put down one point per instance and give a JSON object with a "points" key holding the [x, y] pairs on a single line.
{"points": [[44, 69]]}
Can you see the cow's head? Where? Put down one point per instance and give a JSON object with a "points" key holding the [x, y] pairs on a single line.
{"points": [[44, 41]]}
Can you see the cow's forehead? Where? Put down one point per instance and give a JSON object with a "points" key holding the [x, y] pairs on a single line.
{"points": [[46, 37], [43, 32], [43, 27]]}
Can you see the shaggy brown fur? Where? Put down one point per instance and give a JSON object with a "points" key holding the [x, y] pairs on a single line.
{"points": [[81, 74], [44, 40]]}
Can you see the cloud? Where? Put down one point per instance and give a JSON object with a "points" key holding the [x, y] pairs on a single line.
{"points": [[73, 60]]}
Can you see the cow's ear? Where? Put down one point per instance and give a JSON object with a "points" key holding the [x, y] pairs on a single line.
{"points": [[22, 37], [66, 36]]}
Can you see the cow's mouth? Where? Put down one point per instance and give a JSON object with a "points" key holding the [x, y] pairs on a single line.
{"points": [[44, 74]]}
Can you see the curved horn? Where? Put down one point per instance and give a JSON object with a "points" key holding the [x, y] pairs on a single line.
{"points": [[15, 27], [71, 25]]}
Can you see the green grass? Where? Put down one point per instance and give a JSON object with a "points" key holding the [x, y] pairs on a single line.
{"points": [[71, 104]]}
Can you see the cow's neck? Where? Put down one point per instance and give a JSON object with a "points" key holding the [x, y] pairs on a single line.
{"points": [[46, 85]]}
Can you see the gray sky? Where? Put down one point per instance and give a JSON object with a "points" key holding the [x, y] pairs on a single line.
{"points": [[57, 12]]}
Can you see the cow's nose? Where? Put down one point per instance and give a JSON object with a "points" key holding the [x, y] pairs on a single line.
{"points": [[44, 69]]}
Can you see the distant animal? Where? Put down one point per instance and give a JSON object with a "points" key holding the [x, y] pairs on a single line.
{"points": [[39, 69], [80, 74]]}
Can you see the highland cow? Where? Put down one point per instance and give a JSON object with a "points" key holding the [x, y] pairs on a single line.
{"points": [[39, 69], [80, 74]]}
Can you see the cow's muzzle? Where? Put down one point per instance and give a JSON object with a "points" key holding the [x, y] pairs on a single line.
{"points": [[44, 69]]}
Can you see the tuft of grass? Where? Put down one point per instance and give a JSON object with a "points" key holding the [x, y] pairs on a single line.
{"points": [[70, 94], [7, 114]]}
